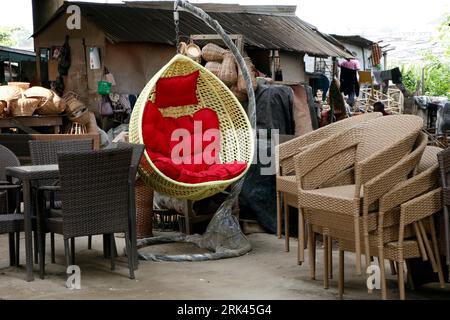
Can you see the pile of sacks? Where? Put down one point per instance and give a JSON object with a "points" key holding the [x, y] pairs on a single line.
{"points": [[222, 63], [18, 101]]}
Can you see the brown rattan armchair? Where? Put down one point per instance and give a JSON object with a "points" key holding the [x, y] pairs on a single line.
{"points": [[401, 232], [286, 185], [370, 148], [340, 226], [94, 190]]}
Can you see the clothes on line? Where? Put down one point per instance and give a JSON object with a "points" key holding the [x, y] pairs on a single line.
{"points": [[349, 83], [352, 64]]}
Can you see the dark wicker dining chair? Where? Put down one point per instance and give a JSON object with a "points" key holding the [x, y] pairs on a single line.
{"points": [[46, 152], [95, 199], [11, 220], [444, 168], [138, 150]]}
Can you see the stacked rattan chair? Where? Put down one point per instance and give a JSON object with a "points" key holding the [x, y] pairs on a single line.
{"points": [[405, 222], [444, 169], [368, 149], [286, 184]]}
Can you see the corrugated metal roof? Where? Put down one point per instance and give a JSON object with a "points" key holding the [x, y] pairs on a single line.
{"points": [[266, 27], [355, 40]]}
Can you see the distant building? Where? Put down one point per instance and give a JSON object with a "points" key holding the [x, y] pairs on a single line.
{"points": [[17, 65]]}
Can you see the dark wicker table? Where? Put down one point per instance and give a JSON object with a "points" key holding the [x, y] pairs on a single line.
{"points": [[27, 174]]}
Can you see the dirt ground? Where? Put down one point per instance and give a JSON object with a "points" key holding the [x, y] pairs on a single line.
{"points": [[267, 272]]}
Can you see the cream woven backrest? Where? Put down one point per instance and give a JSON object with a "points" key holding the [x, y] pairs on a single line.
{"points": [[285, 151], [400, 171], [425, 180], [384, 142], [372, 146]]}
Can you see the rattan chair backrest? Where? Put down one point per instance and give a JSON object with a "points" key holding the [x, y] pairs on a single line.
{"points": [[7, 159], [94, 191]]}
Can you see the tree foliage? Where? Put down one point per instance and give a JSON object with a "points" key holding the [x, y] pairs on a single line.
{"points": [[436, 68], [6, 37]]}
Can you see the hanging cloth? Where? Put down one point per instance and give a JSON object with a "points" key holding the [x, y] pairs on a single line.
{"points": [[349, 81]]}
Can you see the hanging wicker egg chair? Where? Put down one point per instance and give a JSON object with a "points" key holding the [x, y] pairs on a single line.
{"points": [[236, 136]]}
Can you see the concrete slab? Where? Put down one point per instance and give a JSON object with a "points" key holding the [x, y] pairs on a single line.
{"points": [[267, 272]]}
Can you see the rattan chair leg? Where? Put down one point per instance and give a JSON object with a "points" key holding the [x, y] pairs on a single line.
{"points": [[401, 280], [325, 262], [427, 246], [41, 243], [279, 216], [89, 242], [67, 252], [357, 246], [311, 252], [52, 247], [17, 249], [301, 237], [367, 257], [72, 251], [36, 250], [286, 225], [436, 252], [420, 241], [330, 257], [130, 256], [112, 255], [409, 278], [106, 246], [12, 250], [341, 274], [392, 266]]}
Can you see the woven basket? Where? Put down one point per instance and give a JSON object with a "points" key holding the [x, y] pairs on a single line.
{"points": [[240, 95], [228, 71], [182, 48], [144, 209], [8, 93], [237, 139], [76, 128], [214, 67], [194, 52], [3, 109], [38, 92], [73, 105], [241, 86], [54, 105], [212, 52], [21, 85], [23, 106]]}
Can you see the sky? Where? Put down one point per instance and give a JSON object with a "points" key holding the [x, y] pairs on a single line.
{"points": [[394, 19]]}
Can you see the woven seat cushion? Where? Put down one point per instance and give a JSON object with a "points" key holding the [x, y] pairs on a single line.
{"points": [[198, 161], [11, 223]]}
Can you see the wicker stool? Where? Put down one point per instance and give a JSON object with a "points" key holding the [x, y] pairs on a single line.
{"points": [[144, 209]]}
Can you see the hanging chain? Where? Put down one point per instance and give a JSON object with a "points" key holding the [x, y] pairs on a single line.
{"points": [[176, 19]]}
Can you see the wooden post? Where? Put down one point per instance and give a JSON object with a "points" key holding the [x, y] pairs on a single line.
{"points": [[38, 66], [10, 70], [364, 58]]}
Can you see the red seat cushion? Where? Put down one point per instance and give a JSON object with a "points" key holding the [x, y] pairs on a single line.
{"points": [[191, 157], [177, 91]]}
